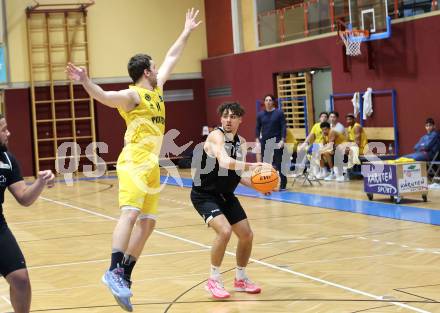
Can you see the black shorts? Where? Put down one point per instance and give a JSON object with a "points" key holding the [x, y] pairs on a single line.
{"points": [[12, 258], [210, 205]]}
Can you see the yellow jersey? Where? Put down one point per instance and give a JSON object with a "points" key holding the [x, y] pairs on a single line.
{"points": [[145, 123], [339, 138], [316, 130], [351, 136]]}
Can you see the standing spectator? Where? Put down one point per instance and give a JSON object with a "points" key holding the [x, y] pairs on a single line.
{"points": [[271, 134]]}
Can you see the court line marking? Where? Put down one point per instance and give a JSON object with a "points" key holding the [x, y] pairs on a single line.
{"points": [[106, 260], [56, 290], [266, 264], [346, 259], [388, 243], [6, 300], [48, 220]]}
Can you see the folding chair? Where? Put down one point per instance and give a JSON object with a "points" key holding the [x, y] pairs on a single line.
{"points": [[306, 178], [434, 167], [302, 170]]}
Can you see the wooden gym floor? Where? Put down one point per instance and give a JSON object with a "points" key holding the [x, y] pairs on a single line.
{"points": [[307, 259]]}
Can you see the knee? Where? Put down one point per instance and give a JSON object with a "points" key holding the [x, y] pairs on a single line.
{"points": [[130, 215], [20, 281], [248, 236], [225, 233], [146, 224]]}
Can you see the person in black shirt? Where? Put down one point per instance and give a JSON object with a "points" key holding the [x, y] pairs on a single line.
{"points": [[271, 134], [218, 171], [12, 262]]}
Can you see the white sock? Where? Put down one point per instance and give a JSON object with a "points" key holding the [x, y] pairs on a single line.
{"points": [[337, 172], [215, 272], [240, 273]]}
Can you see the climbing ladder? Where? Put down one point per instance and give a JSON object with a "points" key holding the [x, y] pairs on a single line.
{"points": [[61, 111], [295, 96]]}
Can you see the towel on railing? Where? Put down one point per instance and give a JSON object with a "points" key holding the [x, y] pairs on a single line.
{"points": [[356, 105], [368, 104]]}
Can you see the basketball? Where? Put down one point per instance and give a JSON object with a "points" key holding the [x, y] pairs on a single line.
{"points": [[264, 179]]}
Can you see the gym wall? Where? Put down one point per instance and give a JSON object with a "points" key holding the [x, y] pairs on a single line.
{"points": [[407, 62], [117, 29]]}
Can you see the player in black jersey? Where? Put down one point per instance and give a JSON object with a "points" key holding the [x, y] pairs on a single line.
{"points": [[12, 262], [217, 174]]}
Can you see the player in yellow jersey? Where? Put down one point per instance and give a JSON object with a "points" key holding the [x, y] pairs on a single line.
{"points": [[315, 134], [314, 137], [356, 133], [333, 140], [143, 110]]}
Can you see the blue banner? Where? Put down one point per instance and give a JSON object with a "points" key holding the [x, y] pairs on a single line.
{"points": [[381, 182]]}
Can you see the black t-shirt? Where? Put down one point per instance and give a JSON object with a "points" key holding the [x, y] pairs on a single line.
{"points": [[9, 174], [218, 180]]}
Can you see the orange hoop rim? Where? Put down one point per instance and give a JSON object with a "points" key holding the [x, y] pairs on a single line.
{"points": [[355, 32]]}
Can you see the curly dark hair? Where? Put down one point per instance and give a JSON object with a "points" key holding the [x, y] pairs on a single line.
{"points": [[324, 125], [137, 64], [235, 108]]}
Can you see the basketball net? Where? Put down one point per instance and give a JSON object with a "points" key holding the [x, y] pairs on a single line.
{"points": [[352, 40]]}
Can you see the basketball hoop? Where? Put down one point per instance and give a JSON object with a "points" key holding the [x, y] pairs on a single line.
{"points": [[352, 40]]}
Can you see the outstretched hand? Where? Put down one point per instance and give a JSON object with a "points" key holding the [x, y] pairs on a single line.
{"points": [[76, 73], [190, 22], [47, 177]]}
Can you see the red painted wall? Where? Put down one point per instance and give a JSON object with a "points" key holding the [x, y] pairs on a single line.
{"points": [[186, 116], [407, 62], [219, 27], [19, 119]]}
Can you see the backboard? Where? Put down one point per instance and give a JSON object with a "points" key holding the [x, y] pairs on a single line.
{"points": [[371, 15]]}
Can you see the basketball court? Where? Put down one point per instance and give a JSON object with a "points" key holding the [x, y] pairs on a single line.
{"points": [[307, 259], [317, 248]]}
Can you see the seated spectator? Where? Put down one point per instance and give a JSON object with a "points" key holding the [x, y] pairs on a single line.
{"points": [[314, 137], [426, 148], [315, 134], [333, 141], [356, 133], [333, 117]]}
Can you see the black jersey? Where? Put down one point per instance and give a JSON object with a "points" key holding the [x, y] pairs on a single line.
{"points": [[214, 178], [9, 174]]}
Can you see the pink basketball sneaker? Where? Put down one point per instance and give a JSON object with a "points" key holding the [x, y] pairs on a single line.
{"points": [[216, 289], [245, 285]]}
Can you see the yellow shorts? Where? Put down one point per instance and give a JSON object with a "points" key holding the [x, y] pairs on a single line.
{"points": [[139, 182]]}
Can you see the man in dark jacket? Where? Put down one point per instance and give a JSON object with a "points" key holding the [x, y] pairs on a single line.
{"points": [[271, 134], [426, 148]]}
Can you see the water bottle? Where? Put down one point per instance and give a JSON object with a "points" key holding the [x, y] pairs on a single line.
{"points": [[390, 149]]}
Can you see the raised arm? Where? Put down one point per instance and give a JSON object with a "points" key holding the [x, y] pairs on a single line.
{"points": [[26, 195], [176, 49], [125, 99]]}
